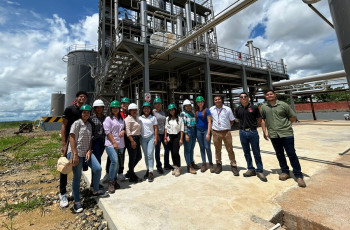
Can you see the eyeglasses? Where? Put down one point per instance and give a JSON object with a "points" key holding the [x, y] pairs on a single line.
{"points": [[243, 96]]}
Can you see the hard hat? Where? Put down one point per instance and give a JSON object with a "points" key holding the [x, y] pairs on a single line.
{"points": [[157, 100], [199, 98], [186, 102], [98, 102], [146, 104], [171, 106], [132, 106], [85, 107], [115, 103], [125, 100]]}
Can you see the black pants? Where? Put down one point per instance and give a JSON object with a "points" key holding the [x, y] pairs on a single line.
{"points": [[121, 158], [174, 147], [63, 183], [134, 154]]}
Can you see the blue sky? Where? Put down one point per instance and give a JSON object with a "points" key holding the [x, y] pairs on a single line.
{"points": [[35, 35]]}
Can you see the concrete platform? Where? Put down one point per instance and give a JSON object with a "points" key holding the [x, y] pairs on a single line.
{"points": [[210, 201]]}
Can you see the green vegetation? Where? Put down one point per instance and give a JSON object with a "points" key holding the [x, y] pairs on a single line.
{"points": [[12, 124], [24, 206], [35, 167], [8, 141]]}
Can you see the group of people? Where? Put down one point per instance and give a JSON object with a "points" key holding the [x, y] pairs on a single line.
{"points": [[85, 136]]}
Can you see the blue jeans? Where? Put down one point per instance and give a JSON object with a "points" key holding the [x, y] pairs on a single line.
{"points": [[96, 169], [113, 156], [166, 152], [148, 150], [189, 146], [252, 138], [204, 145], [98, 147], [287, 144]]}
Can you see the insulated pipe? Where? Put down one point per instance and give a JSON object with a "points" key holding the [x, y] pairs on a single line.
{"points": [[143, 13], [320, 77], [179, 29], [251, 52], [116, 21], [188, 22]]}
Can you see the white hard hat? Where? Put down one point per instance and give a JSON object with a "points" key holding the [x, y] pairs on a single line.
{"points": [[132, 106], [98, 102], [186, 102]]}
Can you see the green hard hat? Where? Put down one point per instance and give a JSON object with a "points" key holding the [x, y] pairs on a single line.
{"points": [[115, 103], [157, 100], [199, 98], [125, 100], [85, 107], [146, 104], [171, 106]]}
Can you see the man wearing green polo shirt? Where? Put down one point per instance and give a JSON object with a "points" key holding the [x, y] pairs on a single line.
{"points": [[278, 118]]}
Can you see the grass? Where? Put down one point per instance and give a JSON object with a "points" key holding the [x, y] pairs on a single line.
{"points": [[12, 124], [10, 140], [35, 167], [24, 206]]}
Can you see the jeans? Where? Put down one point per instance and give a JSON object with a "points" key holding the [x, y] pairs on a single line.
{"points": [[121, 158], [252, 138], [98, 147], [174, 147], [204, 145], [148, 150], [287, 144], [166, 152], [134, 154], [113, 156], [189, 146], [77, 170]]}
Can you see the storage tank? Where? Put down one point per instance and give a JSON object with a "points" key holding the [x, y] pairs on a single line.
{"points": [[78, 72], [57, 104]]}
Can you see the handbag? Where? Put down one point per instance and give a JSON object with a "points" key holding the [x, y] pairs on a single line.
{"points": [[64, 165]]}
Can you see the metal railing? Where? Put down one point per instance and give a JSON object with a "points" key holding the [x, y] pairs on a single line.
{"points": [[77, 47]]}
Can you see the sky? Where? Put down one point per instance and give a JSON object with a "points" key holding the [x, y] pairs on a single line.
{"points": [[35, 35]]}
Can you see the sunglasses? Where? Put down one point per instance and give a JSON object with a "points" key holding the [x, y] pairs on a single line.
{"points": [[243, 97]]}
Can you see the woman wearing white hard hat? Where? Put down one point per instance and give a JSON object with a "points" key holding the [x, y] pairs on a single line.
{"points": [[98, 133], [133, 132], [189, 141]]}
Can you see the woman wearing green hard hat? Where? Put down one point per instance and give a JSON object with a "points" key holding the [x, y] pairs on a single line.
{"points": [[149, 138], [79, 149], [203, 125], [173, 136], [114, 128]]}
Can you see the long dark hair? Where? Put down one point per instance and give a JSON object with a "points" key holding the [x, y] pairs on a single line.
{"points": [[119, 114], [176, 116], [196, 107], [150, 113]]}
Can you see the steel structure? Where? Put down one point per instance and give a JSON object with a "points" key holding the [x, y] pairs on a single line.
{"points": [[169, 48]]}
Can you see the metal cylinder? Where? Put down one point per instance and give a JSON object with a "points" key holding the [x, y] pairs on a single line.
{"points": [[116, 20], [188, 23], [179, 29], [251, 52], [57, 104], [79, 75], [143, 14]]}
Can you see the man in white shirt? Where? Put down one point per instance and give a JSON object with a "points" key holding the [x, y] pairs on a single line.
{"points": [[223, 119]]}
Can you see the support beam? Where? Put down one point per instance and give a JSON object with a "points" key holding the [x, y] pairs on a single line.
{"points": [[312, 108], [269, 81], [244, 80], [208, 89], [134, 54]]}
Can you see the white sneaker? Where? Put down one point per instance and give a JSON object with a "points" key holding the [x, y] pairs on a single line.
{"points": [[105, 179], [63, 201], [121, 177]]}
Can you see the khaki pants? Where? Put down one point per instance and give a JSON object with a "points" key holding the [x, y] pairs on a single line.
{"points": [[218, 137]]}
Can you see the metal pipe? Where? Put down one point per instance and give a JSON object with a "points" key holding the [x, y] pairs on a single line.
{"points": [[320, 77], [251, 52], [116, 21], [143, 13], [237, 76], [319, 14], [179, 29], [188, 23]]}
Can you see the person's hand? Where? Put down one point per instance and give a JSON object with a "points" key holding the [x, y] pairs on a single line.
{"points": [[133, 145], [266, 136], [187, 138], [207, 137], [115, 145], [166, 141], [121, 134], [75, 161], [64, 150], [180, 142], [88, 156], [155, 141]]}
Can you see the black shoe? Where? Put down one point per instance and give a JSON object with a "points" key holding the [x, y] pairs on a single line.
{"points": [[160, 171], [135, 179], [116, 185], [77, 207], [146, 175], [169, 167], [150, 177], [127, 175]]}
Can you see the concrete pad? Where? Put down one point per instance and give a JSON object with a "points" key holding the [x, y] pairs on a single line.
{"points": [[210, 201]]}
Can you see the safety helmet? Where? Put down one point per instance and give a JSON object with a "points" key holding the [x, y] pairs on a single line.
{"points": [[146, 103], [132, 106], [171, 106], [199, 98], [157, 100], [98, 102], [85, 107], [115, 103], [125, 100], [186, 102]]}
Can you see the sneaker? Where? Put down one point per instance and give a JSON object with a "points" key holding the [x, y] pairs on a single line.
{"points": [[218, 169], [204, 167], [235, 170], [146, 175], [169, 167], [284, 176], [121, 177], [177, 171], [160, 171], [249, 173], [301, 182], [64, 201], [150, 177], [111, 188], [261, 176], [100, 193], [77, 207], [105, 179]]}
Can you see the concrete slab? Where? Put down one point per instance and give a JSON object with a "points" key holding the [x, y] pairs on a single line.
{"points": [[210, 201]]}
